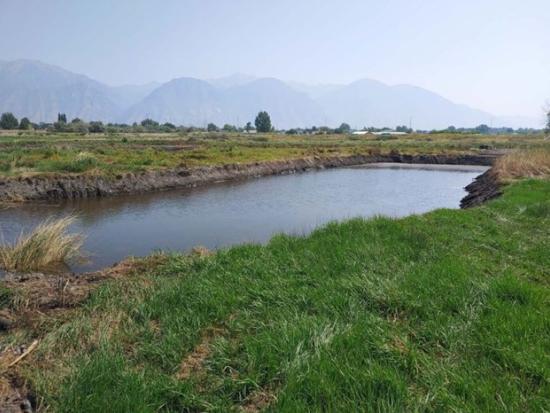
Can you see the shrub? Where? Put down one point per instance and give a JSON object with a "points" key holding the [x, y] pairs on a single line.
{"points": [[81, 163], [46, 245]]}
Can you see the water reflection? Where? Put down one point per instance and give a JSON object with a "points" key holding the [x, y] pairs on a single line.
{"points": [[245, 211]]}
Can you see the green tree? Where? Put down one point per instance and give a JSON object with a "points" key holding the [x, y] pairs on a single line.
{"points": [[211, 127], [403, 128], [263, 122], [60, 126], [8, 121], [168, 127], [343, 128], [548, 122], [229, 128], [483, 129], [96, 127], [149, 123], [25, 124], [61, 118], [248, 127]]}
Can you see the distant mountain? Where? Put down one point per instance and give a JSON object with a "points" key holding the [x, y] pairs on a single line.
{"points": [[236, 79], [287, 107], [314, 91], [127, 95], [367, 102], [40, 91], [185, 101], [189, 101]]}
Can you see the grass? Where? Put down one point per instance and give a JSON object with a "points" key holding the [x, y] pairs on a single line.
{"points": [[447, 311], [111, 154], [521, 164], [47, 245]]}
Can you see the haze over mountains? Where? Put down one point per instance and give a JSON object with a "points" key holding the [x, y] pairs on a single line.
{"points": [[40, 91]]}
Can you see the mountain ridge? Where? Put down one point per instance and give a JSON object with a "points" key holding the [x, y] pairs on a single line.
{"points": [[39, 91]]}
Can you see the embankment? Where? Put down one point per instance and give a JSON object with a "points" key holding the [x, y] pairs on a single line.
{"points": [[485, 187], [90, 185]]}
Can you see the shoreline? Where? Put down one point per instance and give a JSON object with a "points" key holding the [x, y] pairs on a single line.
{"points": [[39, 308], [83, 186], [485, 187]]}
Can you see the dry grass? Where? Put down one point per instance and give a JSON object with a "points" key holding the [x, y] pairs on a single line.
{"points": [[524, 164], [47, 245]]}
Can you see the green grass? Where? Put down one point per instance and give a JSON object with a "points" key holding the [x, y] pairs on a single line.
{"points": [[41, 153], [448, 311]]}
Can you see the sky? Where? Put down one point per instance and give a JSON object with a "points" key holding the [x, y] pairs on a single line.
{"points": [[489, 54]]}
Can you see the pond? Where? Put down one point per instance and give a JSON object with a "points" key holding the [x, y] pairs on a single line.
{"points": [[253, 210]]}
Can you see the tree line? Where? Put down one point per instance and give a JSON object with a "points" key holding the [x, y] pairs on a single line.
{"points": [[262, 124], [8, 121]]}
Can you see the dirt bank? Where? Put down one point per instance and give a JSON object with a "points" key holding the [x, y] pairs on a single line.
{"points": [[485, 187], [75, 186]]}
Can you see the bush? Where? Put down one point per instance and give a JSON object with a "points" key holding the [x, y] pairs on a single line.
{"points": [[84, 161], [47, 244]]}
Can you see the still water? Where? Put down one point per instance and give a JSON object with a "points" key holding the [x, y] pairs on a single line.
{"points": [[246, 211]]}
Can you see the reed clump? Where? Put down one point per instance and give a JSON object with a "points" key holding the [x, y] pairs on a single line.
{"points": [[45, 246], [524, 164]]}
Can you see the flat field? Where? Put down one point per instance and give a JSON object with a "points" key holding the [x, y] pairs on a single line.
{"points": [[29, 153]]}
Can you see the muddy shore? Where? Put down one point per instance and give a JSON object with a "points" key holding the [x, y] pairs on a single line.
{"points": [[485, 187], [79, 186]]}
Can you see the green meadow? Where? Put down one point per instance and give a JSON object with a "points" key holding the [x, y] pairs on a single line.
{"points": [[35, 153], [447, 311]]}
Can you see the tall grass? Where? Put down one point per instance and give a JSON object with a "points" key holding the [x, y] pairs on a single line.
{"points": [[524, 164], [48, 244]]}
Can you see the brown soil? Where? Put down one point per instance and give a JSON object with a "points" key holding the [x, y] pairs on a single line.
{"points": [[258, 401], [193, 363], [39, 299], [36, 295], [485, 187], [14, 395]]}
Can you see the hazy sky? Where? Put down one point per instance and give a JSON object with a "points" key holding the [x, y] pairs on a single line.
{"points": [[490, 54]]}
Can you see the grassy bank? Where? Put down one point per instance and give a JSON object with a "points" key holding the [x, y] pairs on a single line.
{"points": [[41, 153], [447, 311]]}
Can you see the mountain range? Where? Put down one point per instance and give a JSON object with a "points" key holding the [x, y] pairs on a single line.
{"points": [[40, 91]]}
